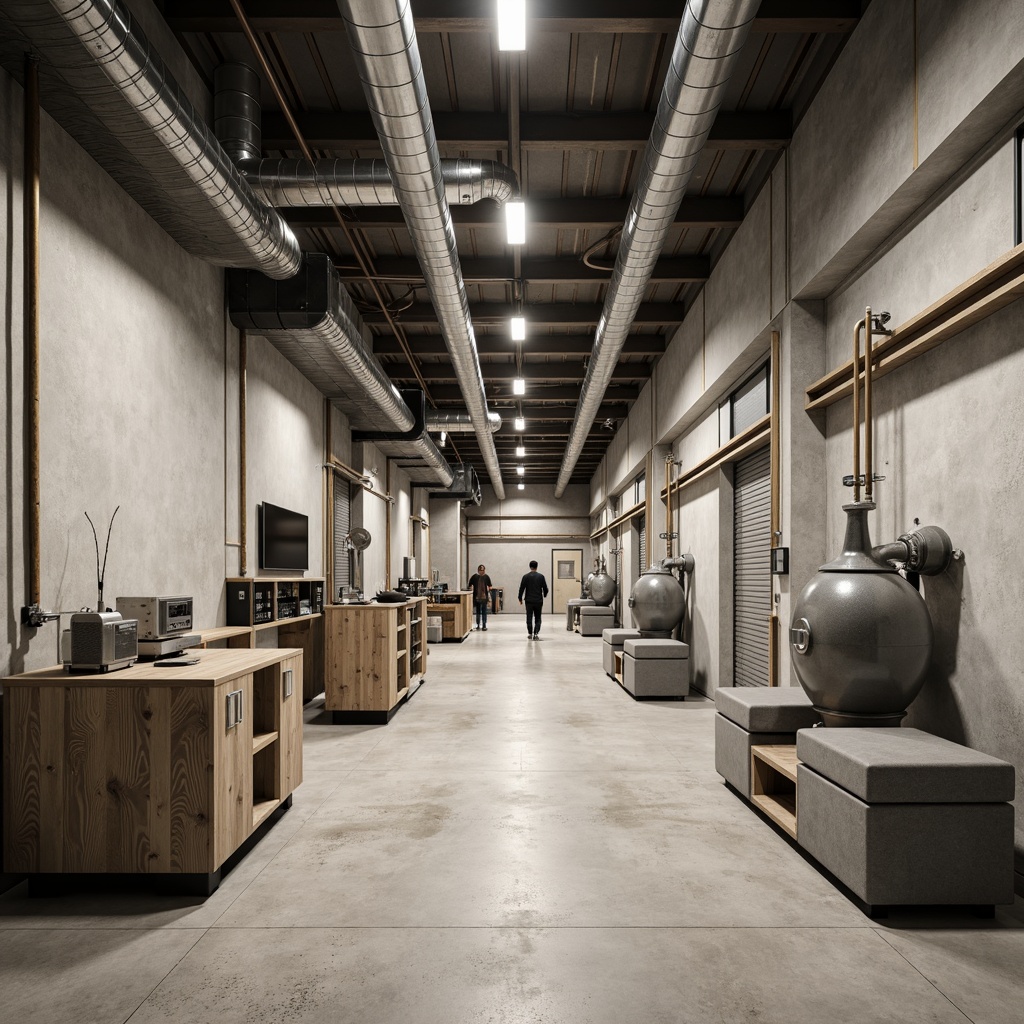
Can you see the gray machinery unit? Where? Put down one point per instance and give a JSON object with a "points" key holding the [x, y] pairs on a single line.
{"points": [[861, 634], [600, 587], [658, 599]]}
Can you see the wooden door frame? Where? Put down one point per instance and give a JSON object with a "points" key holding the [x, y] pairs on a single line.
{"points": [[554, 577]]}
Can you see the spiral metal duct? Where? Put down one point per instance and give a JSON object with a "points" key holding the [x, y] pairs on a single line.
{"points": [[458, 422], [158, 147], [711, 35], [383, 42]]}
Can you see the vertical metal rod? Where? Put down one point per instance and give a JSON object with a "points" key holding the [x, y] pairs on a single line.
{"points": [[668, 507], [243, 515], [856, 409], [387, 524], [868, 428], [30, 210], [328, 554], [775, 449]]}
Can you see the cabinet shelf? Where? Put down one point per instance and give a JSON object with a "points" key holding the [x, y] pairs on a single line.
{"points": [[262, 810], [263, 739], [773, 783]]}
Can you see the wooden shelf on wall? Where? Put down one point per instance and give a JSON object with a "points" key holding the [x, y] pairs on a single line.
{"points": [[999, 284]]}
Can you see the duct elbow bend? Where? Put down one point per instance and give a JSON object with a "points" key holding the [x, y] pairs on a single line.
{"points": [[494, 419], [684, 563], [926, 551]]}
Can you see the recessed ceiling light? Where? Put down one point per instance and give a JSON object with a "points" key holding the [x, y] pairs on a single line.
{"points": [[515, 222], [520, 423], [518, 328], [511, 24], [518, 386], [520, 452]]}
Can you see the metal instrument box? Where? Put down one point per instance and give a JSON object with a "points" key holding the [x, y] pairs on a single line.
{"points": [[158, 617]]}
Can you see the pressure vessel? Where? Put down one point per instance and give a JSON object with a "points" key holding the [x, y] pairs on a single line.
{"points": [[602, 588], [658, 602]]}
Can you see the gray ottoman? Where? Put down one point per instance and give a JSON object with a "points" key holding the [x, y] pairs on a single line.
{"points": [[613, 641], [595, 620], [903, 817], [654, 669], [572, 607], [755, 715]]}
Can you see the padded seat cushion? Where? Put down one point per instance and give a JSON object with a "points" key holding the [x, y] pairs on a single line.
{"points": [[581, 602], [651, 647], [617, 637], [598, 612], [766, 708], [904, 766]]}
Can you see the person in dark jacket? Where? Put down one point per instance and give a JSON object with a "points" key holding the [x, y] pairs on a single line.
{"points": [[480, 584], [534, 588]]}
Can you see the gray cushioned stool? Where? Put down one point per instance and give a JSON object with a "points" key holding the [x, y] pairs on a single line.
{"points": [[572, 607], [903, 817], [653, 668], [595, 620], [613, 641], [755, 715]]}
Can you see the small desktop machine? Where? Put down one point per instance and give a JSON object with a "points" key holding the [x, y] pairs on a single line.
{"points": [[164, 624]]}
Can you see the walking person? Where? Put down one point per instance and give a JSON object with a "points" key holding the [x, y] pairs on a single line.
{"points": [[480, 584], [534, 588]]}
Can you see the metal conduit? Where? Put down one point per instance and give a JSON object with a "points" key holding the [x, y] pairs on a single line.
{"points": [[458, 422], [261, 238], [711, 35], [383, 42]]}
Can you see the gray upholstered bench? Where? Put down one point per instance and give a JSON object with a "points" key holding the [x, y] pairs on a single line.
{"points": [[903, 817], [595, 620], [755, 715], [653, 668], [613, 641], [572, 610]]}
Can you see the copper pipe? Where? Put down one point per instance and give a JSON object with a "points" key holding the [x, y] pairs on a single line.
{"points": [[775, 453], [868, 427], [668, 506], [243, 499], [856, 409], [30, 211], [328, 487]]}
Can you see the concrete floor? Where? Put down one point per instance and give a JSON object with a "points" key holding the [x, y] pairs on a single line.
{"points": [[523, 843]]}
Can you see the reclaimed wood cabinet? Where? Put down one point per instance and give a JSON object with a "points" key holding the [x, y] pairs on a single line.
{"points": [[164, 771]]}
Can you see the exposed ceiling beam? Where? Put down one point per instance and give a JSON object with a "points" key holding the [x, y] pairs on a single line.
{"points": [[538, 314], [642, 16], [694, 212], [550, 345], [672, 270], [616, 130], [615, 394], [507, 371]]}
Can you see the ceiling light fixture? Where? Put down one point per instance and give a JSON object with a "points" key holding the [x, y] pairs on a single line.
{"points": [[520, 471], [518, 327], [522, 487], [515, 222], [444, 437], [511, 24], [520, 452], [518, 386], [520, 423]]}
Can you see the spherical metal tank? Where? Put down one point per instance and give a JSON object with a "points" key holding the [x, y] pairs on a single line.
{"points": [[602, 588], [861, 636], [658, 602]]}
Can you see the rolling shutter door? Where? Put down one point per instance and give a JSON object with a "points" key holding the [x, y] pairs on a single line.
{"points": [[752, 587], [643, 545], [342, 526]]}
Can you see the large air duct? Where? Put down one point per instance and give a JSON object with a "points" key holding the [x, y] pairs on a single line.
{"points": [[383, 42], [458, 422], [711, 36], [132, 116], [312, 321]]}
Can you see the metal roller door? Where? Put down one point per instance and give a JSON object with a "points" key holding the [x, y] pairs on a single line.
{"points": [[642, 528], [342, 526], [752, 586]]}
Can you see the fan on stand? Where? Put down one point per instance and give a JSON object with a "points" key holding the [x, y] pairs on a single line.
{"points": [[356, 543]]}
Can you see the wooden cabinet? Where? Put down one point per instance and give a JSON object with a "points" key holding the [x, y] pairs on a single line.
{"points": [[376, 658], [456, 615], [149, 770]]}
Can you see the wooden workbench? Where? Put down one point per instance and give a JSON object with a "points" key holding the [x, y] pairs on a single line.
{"points": [[456, 616]]}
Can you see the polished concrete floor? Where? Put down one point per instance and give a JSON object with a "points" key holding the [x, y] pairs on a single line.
{"points": [[523, 843]]}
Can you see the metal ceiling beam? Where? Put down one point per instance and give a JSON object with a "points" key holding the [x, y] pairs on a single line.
{"points": [[507, 371], [617, 393], [694, 212], [550, 345], [642, 16], [672, 270], [617, 130], [538, 314]]}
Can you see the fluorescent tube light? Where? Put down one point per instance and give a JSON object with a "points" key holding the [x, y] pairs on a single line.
{"points": [[518, 386], [520, 423], [520, 452], [515, 222], [518, 326], [520, 471], [511, 24]]}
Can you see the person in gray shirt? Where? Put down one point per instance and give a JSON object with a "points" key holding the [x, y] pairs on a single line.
{"points": [[534, 588]]}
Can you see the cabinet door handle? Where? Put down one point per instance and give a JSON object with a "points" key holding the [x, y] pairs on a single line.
{"points": [[286, 677], [233, 709]]}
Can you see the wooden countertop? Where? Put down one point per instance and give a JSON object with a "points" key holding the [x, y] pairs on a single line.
{"points": [[376, 604], [215, 667]]}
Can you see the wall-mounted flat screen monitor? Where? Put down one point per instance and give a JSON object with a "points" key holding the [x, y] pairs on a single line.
{"points": [[284, 538]]}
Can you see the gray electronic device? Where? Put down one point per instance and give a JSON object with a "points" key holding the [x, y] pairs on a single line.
{"points": [[159, 617], [101, 641], [169, 645]]}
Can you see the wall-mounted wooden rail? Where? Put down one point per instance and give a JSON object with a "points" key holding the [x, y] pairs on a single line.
{"points": [[999, 284], [757, 435], [636, 510]]}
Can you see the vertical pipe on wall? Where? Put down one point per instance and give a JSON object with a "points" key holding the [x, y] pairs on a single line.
{"points": [[30, 208], [775, 454], [668, 505], [869, 484], [387, 524], [328, 499], [243, 517], [856, 409]]}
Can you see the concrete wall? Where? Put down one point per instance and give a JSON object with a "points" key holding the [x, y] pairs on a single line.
{"points": [[523, 534]]}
